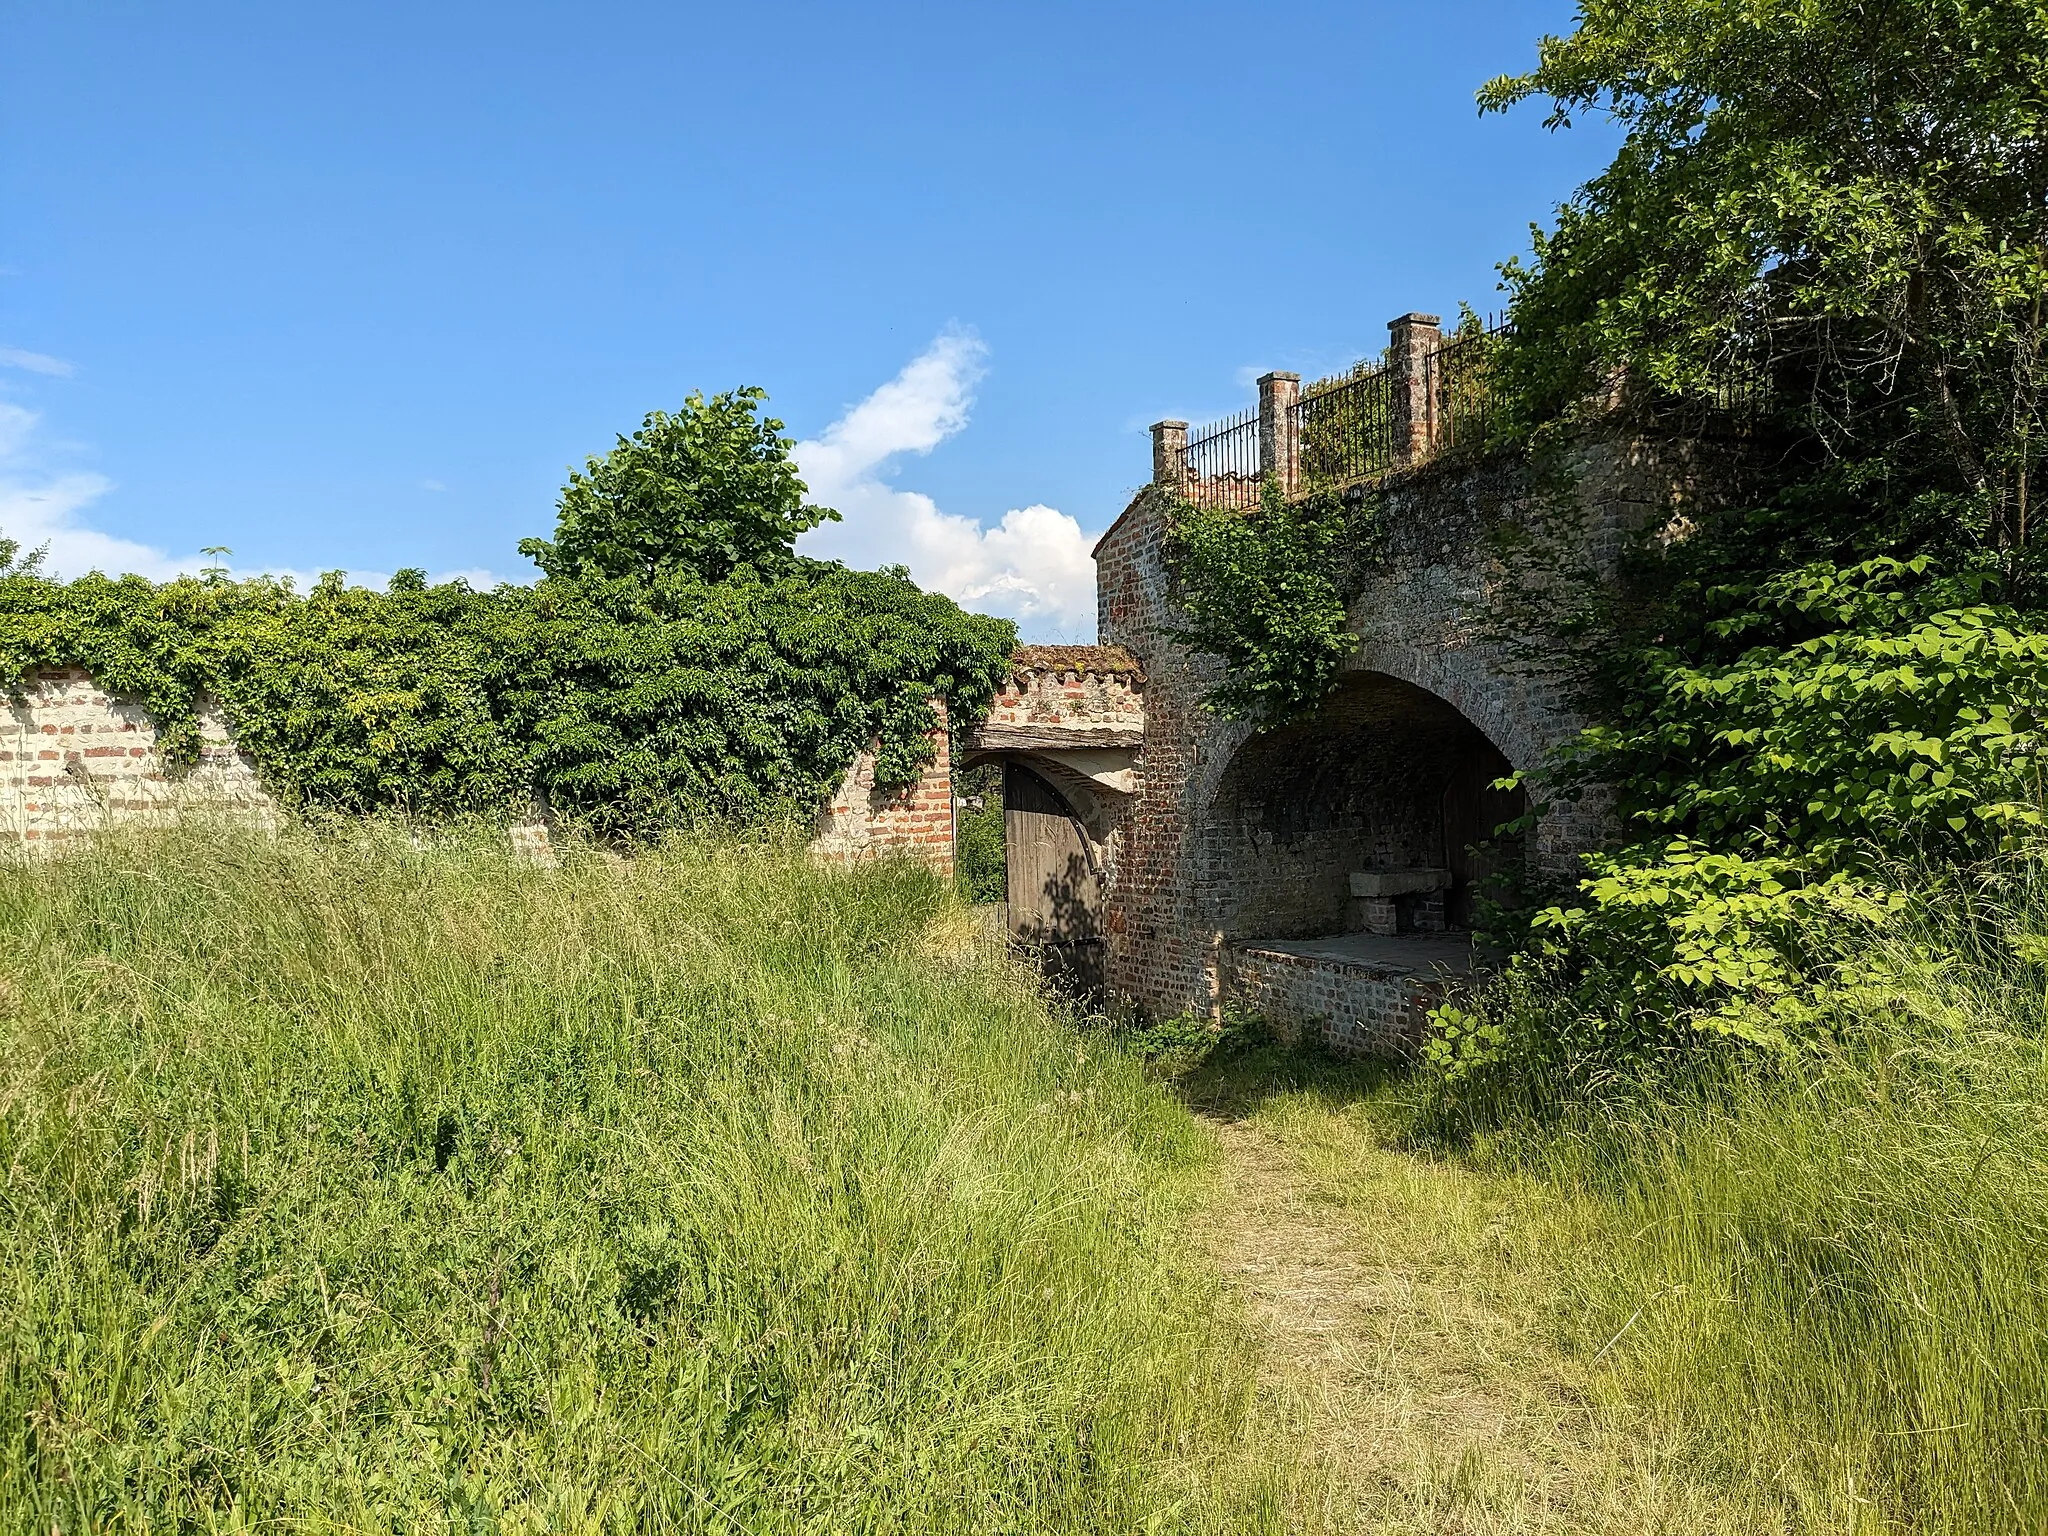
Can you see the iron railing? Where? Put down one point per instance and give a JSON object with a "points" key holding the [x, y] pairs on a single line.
{"points": [[1221, 464], [1458, 389], [1344, 426]]}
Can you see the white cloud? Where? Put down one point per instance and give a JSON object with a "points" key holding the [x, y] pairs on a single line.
{"points": [[1033, 566], [35, 362], [41, 509]]}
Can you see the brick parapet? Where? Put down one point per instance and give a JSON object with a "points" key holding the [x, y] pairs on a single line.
{"points": [[1080, 691]]}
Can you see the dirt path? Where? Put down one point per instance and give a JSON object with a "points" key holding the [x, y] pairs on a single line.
{"points": [[1410, 1397]]}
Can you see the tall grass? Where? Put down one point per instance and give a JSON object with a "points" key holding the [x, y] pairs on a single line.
{"points": [[1833, 1277], [352, 1184]]}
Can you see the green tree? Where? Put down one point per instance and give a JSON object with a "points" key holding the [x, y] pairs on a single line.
{"points": [[700, 493], [1851, 192], [1843, 205]]}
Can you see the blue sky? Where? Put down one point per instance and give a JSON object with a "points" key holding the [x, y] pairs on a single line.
{"points": [[350, 286]]}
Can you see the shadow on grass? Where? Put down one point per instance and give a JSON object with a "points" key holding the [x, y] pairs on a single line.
{"points": [[1241, 1075]]}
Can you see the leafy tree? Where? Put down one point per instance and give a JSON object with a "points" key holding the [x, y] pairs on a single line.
{"points": [[1844, 201], [1851, 192], [700, 493]]}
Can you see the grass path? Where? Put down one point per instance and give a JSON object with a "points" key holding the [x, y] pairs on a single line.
{"points": [[1407, 1358]]}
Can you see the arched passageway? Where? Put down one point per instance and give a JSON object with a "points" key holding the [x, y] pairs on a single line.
{"points": [[1364, 818]]}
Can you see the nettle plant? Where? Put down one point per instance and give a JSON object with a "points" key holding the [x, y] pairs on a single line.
{"points": [[677, 661]]}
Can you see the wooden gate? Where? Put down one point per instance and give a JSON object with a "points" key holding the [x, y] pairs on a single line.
{"points": [[1054, 889]]}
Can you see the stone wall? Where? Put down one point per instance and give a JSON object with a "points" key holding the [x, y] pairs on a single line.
{"points": [[74, 759], [1234, 835]]}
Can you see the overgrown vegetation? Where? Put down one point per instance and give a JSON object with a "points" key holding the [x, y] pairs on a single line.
{"points": [[363, 1184], [1781, 1047], [676, 662], [1266, 591], [1819, 1272], [1788, 1035], [1844, 662]]}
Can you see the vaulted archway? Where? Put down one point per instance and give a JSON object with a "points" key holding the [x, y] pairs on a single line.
{"points": [[1376, 815]]}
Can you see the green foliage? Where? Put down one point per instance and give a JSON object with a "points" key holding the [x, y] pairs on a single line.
{"points": [[1913, 717], [700, 493], [373, 1183], [627, 703], [1176, 1046], [1266, 590], [1859, 192], [1847, 208], [1826, 1264], [979, 858]]}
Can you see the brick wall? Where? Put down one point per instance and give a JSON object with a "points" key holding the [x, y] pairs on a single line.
{"points": [[1086, 689], [75, 759], [1352, 1008], [864, 821], [1234, 835]]}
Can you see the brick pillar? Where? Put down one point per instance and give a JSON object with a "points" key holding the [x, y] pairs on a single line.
{"points": [[1414, 338], [1169, 452], [1279, 432]]}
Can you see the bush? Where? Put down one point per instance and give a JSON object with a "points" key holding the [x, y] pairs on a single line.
{"points": [[1824, 1264]]}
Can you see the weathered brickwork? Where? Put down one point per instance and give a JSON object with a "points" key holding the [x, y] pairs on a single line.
{"points": [[1072, 695], [74, 759], [1352, 1007], [863, 820], [1233, 836]]}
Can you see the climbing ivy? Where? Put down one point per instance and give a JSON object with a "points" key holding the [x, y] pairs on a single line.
{"points": [[630, 700], [1267, 590]]}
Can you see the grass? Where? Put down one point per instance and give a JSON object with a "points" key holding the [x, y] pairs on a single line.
{"points": [[1795, 1297], [358, 1185], [1833, 1278], [1413, 1305]]}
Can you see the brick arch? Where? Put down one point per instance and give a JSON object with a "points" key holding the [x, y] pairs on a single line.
{"points": [[1517, 714], [1365, 784]]}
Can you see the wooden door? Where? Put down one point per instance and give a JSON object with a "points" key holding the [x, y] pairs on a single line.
{"points": [[1055, 894], [1472, 810]]}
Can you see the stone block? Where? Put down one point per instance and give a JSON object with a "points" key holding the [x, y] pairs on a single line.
{"points": [[1398, 882]]}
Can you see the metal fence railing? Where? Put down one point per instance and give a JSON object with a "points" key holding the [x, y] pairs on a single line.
{"points": [[1344, 426], [1407, 408], [1220, 466], [1458, 389]]}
